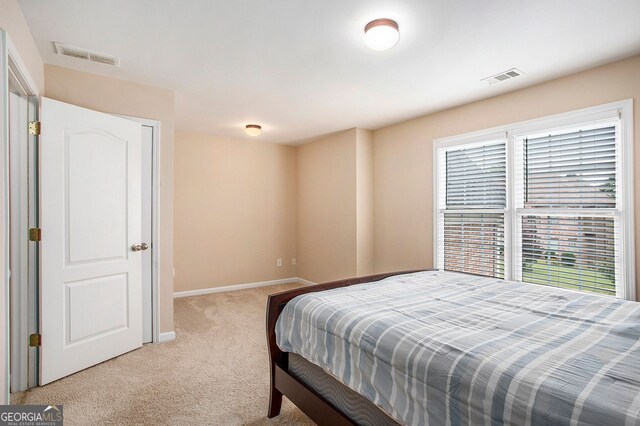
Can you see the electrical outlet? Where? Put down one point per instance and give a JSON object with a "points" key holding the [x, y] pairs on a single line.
{"points": [[174, 272], [279, 262], [293, 260]]}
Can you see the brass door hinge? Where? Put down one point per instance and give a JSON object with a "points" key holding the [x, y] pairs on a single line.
{"points": [[35, 234], [35, 340], [34, 128]]}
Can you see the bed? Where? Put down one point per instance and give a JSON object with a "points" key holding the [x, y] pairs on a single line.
{"points": [[443, 348]]}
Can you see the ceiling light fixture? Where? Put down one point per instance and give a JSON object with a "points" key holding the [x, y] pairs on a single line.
{"points": [[381, 34], [253, 129]]}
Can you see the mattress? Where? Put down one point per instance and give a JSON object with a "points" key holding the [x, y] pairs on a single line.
{"points": [[443, 348], [355, 406]]}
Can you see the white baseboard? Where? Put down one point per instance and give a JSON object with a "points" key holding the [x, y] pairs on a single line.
{"points": [[167, 336], [305, 282], [235, 287]]}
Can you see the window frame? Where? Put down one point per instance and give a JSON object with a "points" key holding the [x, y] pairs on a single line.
{"points": [[620, 110]]}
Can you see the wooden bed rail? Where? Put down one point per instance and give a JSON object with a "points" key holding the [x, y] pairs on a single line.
{"points": [[281, 382]]}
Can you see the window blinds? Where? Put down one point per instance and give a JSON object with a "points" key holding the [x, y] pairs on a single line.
{"points": [[571, 252], [474, 243], [476, 177], [567, 172], [571, 170], [472, 219]]}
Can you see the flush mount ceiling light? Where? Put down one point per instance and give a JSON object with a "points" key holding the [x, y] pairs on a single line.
{"points": [[381, 34], [253, 129]]}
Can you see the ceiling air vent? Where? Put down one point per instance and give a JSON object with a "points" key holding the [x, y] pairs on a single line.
{"points": [[87, 55], [104, 59], [506, 75]]}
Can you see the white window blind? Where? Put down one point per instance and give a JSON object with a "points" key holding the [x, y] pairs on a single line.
{"points": [[474, 243], [571, 170], [472, 213], [577, 253], [476, 177], [565, 173], [549, 203]]}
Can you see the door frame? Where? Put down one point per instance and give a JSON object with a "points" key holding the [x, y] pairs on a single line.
{"points": [[12, 64], [155, 223]]}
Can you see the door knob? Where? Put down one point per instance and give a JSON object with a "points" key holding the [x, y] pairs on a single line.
{"points": [[139, 247]]}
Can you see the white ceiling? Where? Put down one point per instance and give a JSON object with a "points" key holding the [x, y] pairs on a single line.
{"points": [[300, 68]]}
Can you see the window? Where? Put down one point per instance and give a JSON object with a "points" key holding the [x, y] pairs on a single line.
{"points": [[566, 217], [472, 217], [547, 202]]}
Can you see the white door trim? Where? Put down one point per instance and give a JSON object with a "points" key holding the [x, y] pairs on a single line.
{"points": [[155, 221], [11, 64], [20, 69], [19, 245], [5, 227]]}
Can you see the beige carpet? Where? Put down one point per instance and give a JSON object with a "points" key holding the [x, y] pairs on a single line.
{"points": [[214, 373]]}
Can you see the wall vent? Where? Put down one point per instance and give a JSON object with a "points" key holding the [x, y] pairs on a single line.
{"points": [[87, 55], [506, 75]]}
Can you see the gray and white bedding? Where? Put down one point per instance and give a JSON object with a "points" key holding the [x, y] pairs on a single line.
{"points": [[443, 348]]}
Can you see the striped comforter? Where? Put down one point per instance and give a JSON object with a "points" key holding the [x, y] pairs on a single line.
{"points": [[442, 348]]}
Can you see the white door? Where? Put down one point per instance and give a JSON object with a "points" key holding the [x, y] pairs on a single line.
{"points": [[90, 216]]}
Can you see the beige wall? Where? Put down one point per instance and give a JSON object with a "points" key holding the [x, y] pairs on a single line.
{"points": [[364, 202], [122, 97], [12, 21], [327, 208], [403, 153], [235, 211], [335, 206]]}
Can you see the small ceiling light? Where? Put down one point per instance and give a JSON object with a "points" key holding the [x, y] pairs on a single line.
{"points": [[253, 129], [381, 34]]}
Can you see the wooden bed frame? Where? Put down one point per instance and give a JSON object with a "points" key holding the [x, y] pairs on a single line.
{"points": [[282, 382]]}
